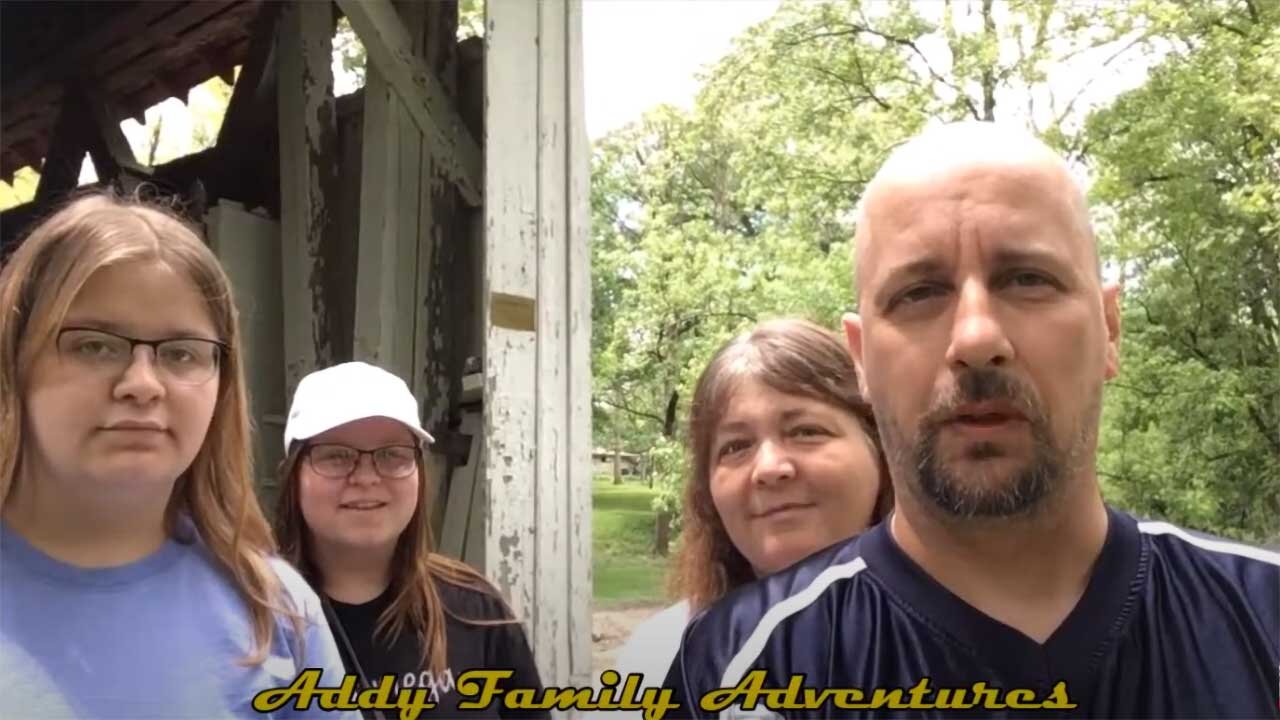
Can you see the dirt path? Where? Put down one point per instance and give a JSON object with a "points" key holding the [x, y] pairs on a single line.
{"points": [[610, 629]]}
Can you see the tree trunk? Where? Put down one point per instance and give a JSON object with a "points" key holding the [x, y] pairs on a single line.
{"points": [[662, 523], [662, 533], [988, 72]]}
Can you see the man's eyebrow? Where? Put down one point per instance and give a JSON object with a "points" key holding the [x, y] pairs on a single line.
{"points": [[1006, 256], [923, 266]]}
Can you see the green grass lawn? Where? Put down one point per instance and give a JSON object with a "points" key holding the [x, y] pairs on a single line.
{"points": [[625, 571]]}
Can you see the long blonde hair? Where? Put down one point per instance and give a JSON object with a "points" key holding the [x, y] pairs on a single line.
{"points": [[38, 286], [415, 568]]}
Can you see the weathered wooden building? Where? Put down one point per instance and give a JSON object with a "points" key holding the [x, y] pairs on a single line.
{"points": [[434, 223]]}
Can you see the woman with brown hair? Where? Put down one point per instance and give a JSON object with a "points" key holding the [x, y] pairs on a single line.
{"points": [[784, 461], [137, 571], [353, 517]]}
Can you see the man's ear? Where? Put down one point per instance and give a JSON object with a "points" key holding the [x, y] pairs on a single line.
{"points": [[1111, 314], [853, 337]]}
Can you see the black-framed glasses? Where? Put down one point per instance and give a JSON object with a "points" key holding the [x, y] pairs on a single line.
{"points": [[336, 461], [183, 360]]}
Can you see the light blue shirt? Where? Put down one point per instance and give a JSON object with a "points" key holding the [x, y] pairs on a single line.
{"points": [[158, 638]]}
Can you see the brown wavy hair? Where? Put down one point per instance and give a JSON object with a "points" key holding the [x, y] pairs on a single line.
{"points": [[792, 356], [415, 567], [37, 287]]}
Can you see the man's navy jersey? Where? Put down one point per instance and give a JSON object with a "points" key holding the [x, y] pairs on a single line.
{"points": [[1172, 624]]}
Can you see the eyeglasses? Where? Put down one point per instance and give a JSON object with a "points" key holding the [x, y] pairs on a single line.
{"points": [[339, 461], [186, 361]]}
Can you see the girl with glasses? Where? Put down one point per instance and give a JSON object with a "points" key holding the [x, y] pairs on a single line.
{"points": [[137, 570], [353, 516]]}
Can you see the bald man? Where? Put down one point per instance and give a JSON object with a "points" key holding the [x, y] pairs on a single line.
{"points": [[984, 338]]}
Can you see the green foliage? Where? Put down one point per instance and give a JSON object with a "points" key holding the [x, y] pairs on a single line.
{"points": [[670, 469], [1189, 167], [741, 208]]}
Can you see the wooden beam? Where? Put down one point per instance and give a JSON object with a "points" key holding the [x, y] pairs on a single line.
{"points": [[73, 60], [251, 100], [108, 147], [308, 183], [60, 172], [390, 49], [29, 151]]}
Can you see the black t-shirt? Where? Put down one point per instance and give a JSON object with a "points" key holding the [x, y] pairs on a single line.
{"points": [[468, 647], [1172, 624]]}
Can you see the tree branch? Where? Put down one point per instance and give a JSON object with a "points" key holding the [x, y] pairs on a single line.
{"points": [[904, 42], [1089, 83], [1253, 11], [1264, 429], [637, 413], [1230, 28]]}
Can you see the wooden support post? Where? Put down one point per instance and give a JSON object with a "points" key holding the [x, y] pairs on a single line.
{"points": [[108, 147], [442, 281], [308, 184], [247, 245], [251, 102], [376, 311], [60, 172], [389, 47], [387, 302], [536, 346], [577, 147]]}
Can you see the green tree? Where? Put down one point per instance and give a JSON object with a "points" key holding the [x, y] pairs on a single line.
{"points": [[1189, 167], [742, 208]]}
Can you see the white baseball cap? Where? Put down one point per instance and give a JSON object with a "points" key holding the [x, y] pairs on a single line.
{"points": [[350, 391]]}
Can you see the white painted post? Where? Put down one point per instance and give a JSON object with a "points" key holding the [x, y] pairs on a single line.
{"points": [[537, 304]]}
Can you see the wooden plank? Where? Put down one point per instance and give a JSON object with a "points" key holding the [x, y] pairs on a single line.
{"points": [[413, 194], [578, 239], [390, 49], [460, 504], [375, 293], [437, 351], [476, 550], [308, 182], [248, 246], [551, 620], [510, 357]]}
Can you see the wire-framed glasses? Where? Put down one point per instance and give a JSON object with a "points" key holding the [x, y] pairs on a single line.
{"points": [[336, 461], [183, 360]]}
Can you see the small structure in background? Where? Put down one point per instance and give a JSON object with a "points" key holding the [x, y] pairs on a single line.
{"points": [[435, 223], [618, 464]]}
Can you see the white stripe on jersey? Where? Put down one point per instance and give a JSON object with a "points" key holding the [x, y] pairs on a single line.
{"points": [[1222, 546], [755, 643]]}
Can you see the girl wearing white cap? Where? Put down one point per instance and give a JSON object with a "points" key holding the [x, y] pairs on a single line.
{"points": [[352, 515], [137, 571]]}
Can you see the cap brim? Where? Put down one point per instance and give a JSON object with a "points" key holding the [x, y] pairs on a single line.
{"points": [[303, 434]]}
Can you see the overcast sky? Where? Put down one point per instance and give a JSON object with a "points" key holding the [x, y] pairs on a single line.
{"points": [[639, 53]]}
